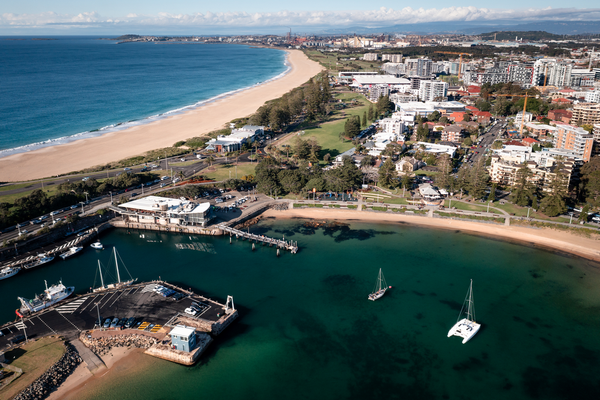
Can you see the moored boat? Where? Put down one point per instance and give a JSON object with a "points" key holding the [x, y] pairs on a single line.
{"points": [[466, 327], [118, 283], [71, 252], [40, 260], [97, 245], [7, 272], [51, 296], [380, 287]]}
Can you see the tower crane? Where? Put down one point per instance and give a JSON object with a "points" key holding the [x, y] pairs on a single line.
{"points": [[460, 59], [526, 95]]}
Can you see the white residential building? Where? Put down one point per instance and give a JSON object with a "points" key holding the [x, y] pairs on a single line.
{"points": [[392, 125], [394, 58], [519, 118], [433, 90], [371, 57], [592, 97], [435, 148]]}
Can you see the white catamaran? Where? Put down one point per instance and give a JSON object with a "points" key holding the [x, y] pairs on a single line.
{"points": [[466, 328], [118, 283], [380, 287]]}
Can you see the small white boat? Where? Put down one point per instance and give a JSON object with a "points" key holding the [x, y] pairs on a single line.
{"points": [[40, 260], [71, 252], [97, 245], [7, 272], [466, 327], [380, 287]]}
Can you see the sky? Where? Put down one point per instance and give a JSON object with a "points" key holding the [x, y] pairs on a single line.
{"points": [[265, 16]]}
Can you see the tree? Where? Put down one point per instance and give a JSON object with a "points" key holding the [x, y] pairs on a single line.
{"points": [[434, 116], [388, 174], [406, 181], [583, 216], [290, 181], [422, 132], [371, 113], [367, 161], [315, 183], [352, 127], [523, 191], [497, 145], [301, 149], [477, 179], [384, 105], [210, 160], [468, 142], [444, 178], [554, 203], [492, 195], [363, 122]]}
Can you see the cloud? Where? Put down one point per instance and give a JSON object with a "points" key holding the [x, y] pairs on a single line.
{"points": [[381, 17]]}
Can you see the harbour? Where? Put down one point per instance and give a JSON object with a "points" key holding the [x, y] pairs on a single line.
{"points": [[308, 315]]}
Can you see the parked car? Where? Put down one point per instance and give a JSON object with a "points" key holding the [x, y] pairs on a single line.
{"points": [[114, 322], [107, 323], [86, 178], [190, 311]]}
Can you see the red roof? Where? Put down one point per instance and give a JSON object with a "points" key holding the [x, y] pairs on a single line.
{"points": [[530, 140], [567, 90], [482, 114], [472, 108], [457, 116], [514, 143], [474, 89], [561, 100]]}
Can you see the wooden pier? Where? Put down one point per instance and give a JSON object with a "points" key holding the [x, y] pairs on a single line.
{"points": [[280, 244]]}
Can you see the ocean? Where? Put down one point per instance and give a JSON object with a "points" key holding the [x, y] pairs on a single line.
{"points": [[67, 88], [307, 331]]}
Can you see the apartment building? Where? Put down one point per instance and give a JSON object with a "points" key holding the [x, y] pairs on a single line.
{"points": [[505, 173], [371, 57], [577, 140], [586, 114], [452, 133], [592, 97], [418, 67], [596, 134], [520, 119], [433, 90], [394, 58]]}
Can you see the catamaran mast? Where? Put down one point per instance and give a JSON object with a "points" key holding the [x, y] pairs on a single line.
{"points": [[100, 270], [117, 264], [470, 308]]}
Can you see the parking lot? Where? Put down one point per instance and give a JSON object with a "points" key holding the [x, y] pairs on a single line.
{"points": [[149, 309]]}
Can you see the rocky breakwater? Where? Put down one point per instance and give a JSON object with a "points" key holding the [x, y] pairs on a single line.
{"points": [[102, 345], [52, 379]]}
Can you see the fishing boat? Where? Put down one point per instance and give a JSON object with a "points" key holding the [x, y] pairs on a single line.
{"points": [[71, 252], [97, 245], [40, 260], [51, 296], [466, 327], [380, 287], [7, 272], [116, 285]]}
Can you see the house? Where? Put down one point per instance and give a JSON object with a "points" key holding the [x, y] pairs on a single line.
{"points": [[471, 108], [430, 194], [237, 138], [457, 116], [529, 142], [435, 148], [183, 338], [561, 100], [483, 117], [164, 211], [408, 164], [560, 115]]}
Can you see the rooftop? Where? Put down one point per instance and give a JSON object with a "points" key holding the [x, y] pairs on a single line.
{"points": [[154, 203]]}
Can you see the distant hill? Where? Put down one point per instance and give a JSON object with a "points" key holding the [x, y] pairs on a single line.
{"points": [[128, 37], [526, 35]]}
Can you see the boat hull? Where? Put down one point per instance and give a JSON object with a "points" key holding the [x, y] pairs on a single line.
{"points": [[5, 273], [27, 307], [465, 329], [377, 295]]}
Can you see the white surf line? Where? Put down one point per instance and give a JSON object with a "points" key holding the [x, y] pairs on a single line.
{"points": [[48, 326]]}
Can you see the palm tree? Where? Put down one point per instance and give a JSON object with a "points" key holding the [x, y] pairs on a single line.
{"points": [[181, 175], [210, 160]]}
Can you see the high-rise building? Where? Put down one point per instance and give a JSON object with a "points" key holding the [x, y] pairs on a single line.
{"points": [[586, 114], [433, 90], [577, 140]]}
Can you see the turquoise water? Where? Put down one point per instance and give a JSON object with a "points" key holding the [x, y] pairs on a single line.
{"points": [[57, 91], [307, 331]]}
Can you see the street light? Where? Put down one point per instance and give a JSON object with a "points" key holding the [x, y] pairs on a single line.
{"points": [[571, 220]]}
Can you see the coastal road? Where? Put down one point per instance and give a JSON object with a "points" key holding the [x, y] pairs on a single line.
{"points": [[486, 141]]}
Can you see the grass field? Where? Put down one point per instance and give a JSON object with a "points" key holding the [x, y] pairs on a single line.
{"points": [[222, 172], [328, 133], [330, 61], [34, 359]]}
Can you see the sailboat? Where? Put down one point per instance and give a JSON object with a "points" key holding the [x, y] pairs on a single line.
{"points": [[380, 287], [116, 285], [466, 328]]}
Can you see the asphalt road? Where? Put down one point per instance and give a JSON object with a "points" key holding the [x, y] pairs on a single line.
{"points": [[486, 141]]}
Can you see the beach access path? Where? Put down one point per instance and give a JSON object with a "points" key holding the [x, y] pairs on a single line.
{"points": [[548, 238], [115, 146]]}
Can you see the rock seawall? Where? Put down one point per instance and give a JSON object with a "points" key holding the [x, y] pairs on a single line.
{"points": [[52, 379]]}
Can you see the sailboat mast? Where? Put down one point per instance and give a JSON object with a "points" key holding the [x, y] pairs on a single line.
{"points": [[100, 270], [470, 311], [117, 264]]}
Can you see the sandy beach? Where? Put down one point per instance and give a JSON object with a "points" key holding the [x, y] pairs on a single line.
{"points": [[545, 238], [55, 160]]}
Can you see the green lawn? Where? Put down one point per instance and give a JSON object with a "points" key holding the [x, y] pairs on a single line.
{"points": [[34, 359], [327, 134], [329, 60], [427, 173], [222, 172], [468, 207]]}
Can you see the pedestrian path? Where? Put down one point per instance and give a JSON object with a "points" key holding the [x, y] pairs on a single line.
{"points": [[71, 307]]}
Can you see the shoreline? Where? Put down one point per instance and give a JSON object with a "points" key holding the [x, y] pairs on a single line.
{"points": [[547, 239], [113, 146]]}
